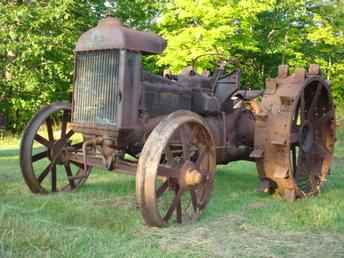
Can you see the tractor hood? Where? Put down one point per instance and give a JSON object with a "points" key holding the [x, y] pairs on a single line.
{"points": [[111, 34]]}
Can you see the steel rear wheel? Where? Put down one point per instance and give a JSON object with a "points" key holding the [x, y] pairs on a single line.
{"points": [[176, 170], [44, 152], [312, 137], [295, 133]]}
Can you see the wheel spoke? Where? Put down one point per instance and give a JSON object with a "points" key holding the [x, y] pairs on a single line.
{"points": [[314, 102], [293, 153], [77, 145], [197, 134], [65, 118], [183, 134], [41, 140], [302, 108], [50, 129], [44, 173], [69, 175], [174, 204], [39, 156], [161, 189], [69, 134], [77, 164], [302, 165], [53, 179], [179, 212], [194, 200], [201, 156], [185, 139]]}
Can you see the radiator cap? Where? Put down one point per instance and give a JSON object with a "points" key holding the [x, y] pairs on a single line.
{"points": [[111, 34]]}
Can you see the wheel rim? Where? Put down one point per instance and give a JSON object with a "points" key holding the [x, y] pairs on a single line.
{"points": [[312, 150], [44, 152], [186, 148]]}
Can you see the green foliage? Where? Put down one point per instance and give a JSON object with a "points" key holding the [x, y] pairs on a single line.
{"points": [[37, 40], [257, 36], [218, 28], [37, 54]]}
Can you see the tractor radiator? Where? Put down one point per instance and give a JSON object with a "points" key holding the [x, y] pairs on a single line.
{"points": [[96, 87]]}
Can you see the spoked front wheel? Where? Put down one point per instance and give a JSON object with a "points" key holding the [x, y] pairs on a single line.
{"points": [[176, 170], [44, 150]]}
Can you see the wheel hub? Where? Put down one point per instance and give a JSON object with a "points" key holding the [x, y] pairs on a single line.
{"points": [[57, 152], [189, 175]]}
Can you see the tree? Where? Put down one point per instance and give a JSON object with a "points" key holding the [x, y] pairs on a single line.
{"points": [[258, 35], [196, 28], [37, 39]]}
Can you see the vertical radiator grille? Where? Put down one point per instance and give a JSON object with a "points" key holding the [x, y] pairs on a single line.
{"points": [[96, 87]]}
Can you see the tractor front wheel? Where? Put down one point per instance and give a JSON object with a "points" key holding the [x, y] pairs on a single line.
{"points": [[176, 170], [44, 150]]}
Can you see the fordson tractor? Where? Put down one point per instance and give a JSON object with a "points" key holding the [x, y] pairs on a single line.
{"points": [[171, 131]]}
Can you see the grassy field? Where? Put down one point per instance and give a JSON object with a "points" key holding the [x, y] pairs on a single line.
{"points": [[101, 219]]}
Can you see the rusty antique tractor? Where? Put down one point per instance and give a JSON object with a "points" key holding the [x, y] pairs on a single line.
{"points": [[171, 132]]}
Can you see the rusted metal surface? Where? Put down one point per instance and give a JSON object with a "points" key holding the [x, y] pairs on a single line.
{"points": [[295, 133], [178, 127], [111, 34]]}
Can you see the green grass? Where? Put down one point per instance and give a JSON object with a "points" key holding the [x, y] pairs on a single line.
{"points": [[102, 220]]}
